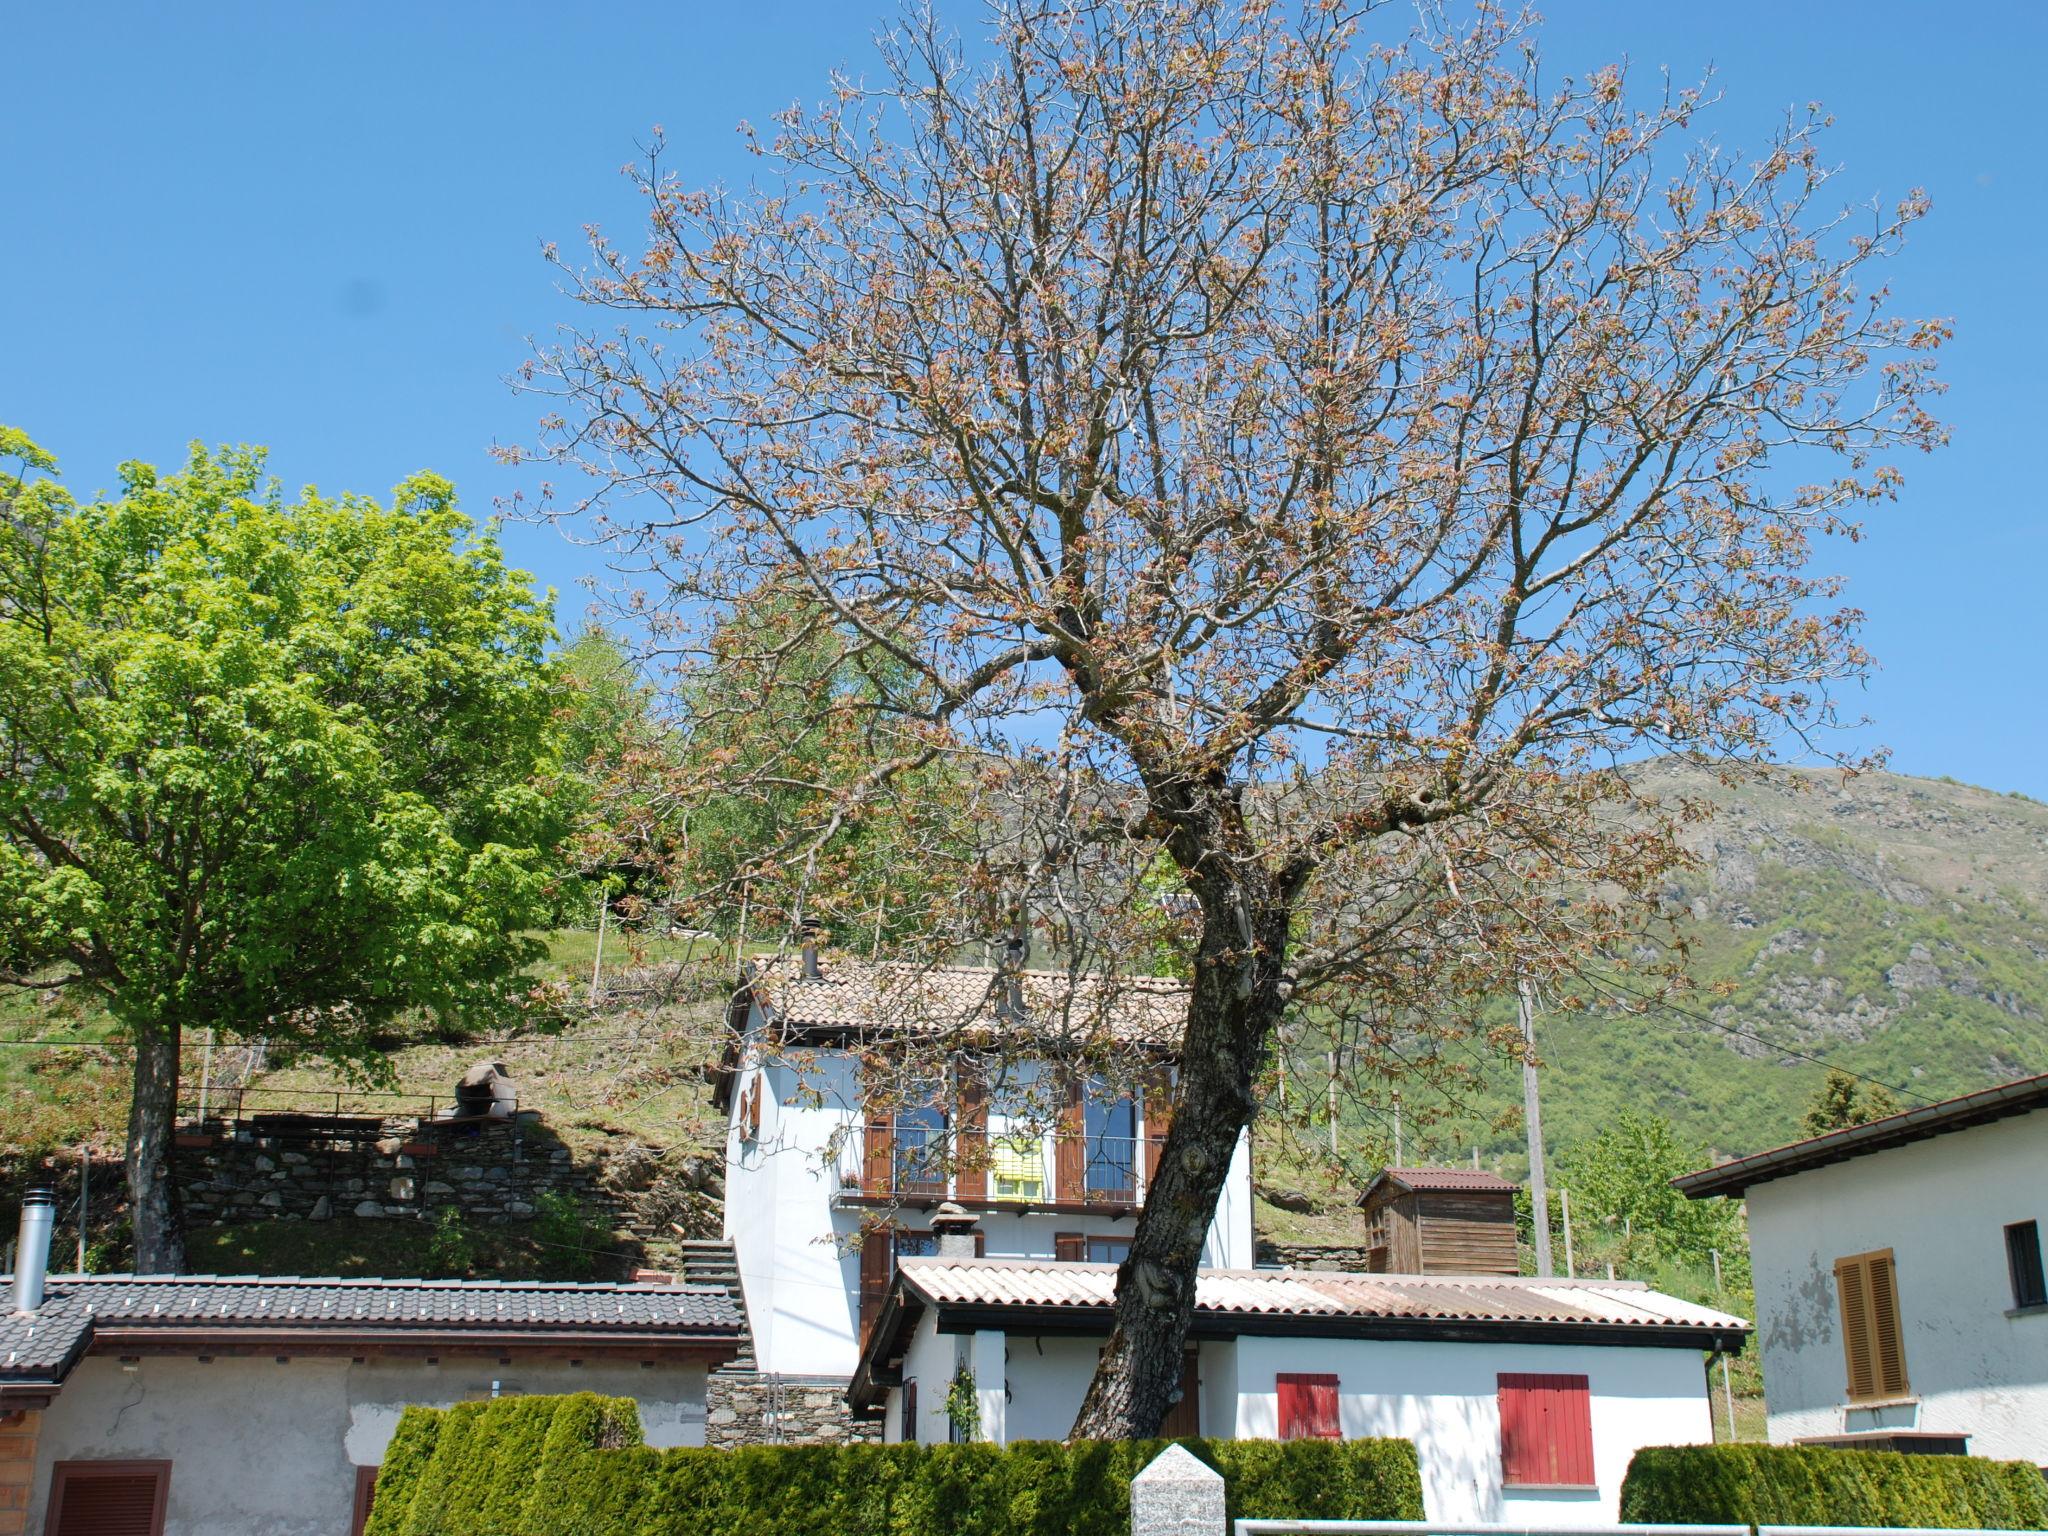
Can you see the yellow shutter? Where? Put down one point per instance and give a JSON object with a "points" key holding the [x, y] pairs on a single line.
{"points": [[1872, 1346]]}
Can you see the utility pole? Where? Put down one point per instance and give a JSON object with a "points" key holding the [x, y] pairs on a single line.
{"points": [[1727, 1386], [1564, 1201], [1333, 1104], [1400, 1160], [604, 907], [85, 1197], [205, 1075], [1532, 1114]]}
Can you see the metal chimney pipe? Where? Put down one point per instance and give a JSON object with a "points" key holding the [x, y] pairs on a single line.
{"points": [[809, 934], [32, 1253]]}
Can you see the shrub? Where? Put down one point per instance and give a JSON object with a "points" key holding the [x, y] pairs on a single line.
{"points": [[575, 1466], [1809, 1485], [451, 1251], [561, 1224]]}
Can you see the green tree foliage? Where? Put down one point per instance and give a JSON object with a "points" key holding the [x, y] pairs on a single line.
{"points": [[1843, 1100], [1621, 1178], [272, 767]]}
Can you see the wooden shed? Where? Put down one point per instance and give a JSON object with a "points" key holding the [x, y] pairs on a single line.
{"points": [[1440, 1221]]}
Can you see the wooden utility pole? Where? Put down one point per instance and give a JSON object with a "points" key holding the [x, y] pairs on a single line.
{"points": [[604, 907], [1532, 1114], [1564, 1201]]}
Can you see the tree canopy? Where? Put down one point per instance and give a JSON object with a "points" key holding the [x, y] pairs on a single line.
{"points": [[272, 767]]}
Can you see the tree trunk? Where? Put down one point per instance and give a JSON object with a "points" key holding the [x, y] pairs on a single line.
{"points": [[152, 1206], [1236, 1001]]}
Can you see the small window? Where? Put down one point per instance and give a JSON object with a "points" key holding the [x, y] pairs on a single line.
{"points": [[1873, 1349], [1308, 1406], [908, 1429], [2023, 1263], [108, 1498], [1546, 1431], [1108, 1250]]}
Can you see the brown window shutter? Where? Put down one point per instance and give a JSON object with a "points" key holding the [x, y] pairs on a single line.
{"points": [[108, 1498], [877, 1268], [878, 1154], [1158, 1117], [1852, 1289], [1888, 1348], [970, 1147], [366, 1496], [1069, 1247], [1069, 1147]]}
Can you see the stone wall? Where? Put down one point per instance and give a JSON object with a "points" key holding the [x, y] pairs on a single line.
{"points": [[755, 1408], [1312, 1255]]}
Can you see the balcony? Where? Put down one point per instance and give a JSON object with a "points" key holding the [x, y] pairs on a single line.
{"points": [[918, 1166]]}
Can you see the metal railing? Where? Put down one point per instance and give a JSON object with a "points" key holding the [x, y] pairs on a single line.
{"points": [[340, 1113], [918, 1163]]}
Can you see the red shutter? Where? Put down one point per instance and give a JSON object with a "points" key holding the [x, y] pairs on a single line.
{"points": [[1158, 1117], [1069, 1247], [108, 1498], [1546, 1432], [1308, 1406], [877, 1268], [970, 1147]]}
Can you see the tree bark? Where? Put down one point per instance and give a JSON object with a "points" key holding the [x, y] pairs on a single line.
{"points": [[152, 1203], [1236, 1001]]}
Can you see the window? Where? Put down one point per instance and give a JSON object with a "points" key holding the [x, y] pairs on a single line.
{"points": [[108, 1498], [2023, 1263], [1308, 1406], [1110, 1126], [1867, 1288], [920, 1142], [1108, 1250], [1546, 1432], [1018, 1166], [1086, 1248]]}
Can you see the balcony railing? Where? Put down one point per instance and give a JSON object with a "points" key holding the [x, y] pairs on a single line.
{"points": [[912, 1165]]}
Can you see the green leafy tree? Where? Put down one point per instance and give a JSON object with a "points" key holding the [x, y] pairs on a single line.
{"points": [[277, 768], [1843, 1100], [1621, 1179]]}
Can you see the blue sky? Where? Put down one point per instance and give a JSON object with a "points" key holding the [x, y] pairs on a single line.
{"points": [[317, 227]]}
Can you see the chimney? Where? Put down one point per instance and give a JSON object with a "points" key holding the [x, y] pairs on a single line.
{"points": [[1015, 952], [954, 1228], [808, 933], [32, 1253]]}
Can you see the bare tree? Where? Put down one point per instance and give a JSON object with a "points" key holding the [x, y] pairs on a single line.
{"points": [[1302, 464]]}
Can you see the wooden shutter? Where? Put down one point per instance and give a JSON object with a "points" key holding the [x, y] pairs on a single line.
{"points": [[2023, 1263], [1069, 1247], [1546, 1431], [1873, 1352], [1070, 1147], [908, 1430], [878, 1172], [108, 1498], [877, 1267], [1308, 1406], [1184, 1418], [970, 1145], [1158, 1117], [366, 1495], [750, 1110]]}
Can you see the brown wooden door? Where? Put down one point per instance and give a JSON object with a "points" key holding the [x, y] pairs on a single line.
{"points": [[1184, 1419], [108, 1498]]}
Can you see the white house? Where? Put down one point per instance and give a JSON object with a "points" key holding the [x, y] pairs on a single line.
{"points": [[1525, 1398], [1899, 1287], [194, 1405], [830, 1178]]}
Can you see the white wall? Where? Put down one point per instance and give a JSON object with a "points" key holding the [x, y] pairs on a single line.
{"points": [[1444, 1397], [1941, 1206], [262, 1449]]}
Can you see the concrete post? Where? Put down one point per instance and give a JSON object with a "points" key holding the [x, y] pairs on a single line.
{"points": [[989, 1362], [1177, 1496]]}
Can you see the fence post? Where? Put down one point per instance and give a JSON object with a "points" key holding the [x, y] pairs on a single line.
{"points": [[1177, 1496]]}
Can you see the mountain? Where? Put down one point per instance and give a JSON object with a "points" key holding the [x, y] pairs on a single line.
{"points": [[1894, 926]]}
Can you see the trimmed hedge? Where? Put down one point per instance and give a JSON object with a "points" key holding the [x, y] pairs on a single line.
{"points": [[1810, 1485], [576, 1466]]}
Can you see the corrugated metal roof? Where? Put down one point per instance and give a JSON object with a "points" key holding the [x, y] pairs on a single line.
{"points": [[1440, 1179], [1301, 1293], [44, 1344], [880, 997]]}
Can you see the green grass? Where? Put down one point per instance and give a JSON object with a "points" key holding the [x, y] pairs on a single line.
{"points": [[359, 1249]]}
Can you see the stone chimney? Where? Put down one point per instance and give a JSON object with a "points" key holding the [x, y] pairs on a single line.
{"points": [[1016, 951], [32, 1253], [955, 1229]]}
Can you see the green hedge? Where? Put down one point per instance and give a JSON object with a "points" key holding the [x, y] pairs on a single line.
{"points": [[1808, 1485], [576, 1466]]}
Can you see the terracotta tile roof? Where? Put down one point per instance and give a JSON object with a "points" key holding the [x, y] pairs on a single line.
{"points": [[1310, 1294], [1437, 1179], [2018, 1097], [879, 997], [42, 1346]]}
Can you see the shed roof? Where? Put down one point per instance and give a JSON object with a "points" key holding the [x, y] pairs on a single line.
{"points": [[2018, 1097], [1433, 1179]]}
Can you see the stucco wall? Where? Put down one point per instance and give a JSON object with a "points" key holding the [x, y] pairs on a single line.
{"points": [[1444, 1397], [1941, 1206], [259, 1448]]}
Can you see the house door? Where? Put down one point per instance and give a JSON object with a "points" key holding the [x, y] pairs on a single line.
{"points": [[1184, 1418]]}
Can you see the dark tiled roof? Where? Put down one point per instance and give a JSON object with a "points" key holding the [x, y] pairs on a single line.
{"points": [[2019, 1097], [1437, 1179], [38, 1347]]}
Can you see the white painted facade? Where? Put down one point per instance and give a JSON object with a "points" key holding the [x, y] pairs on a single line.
{"points": [[1975, 1364], [796, 1233], [1441, 1394], [262, 1448]]}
